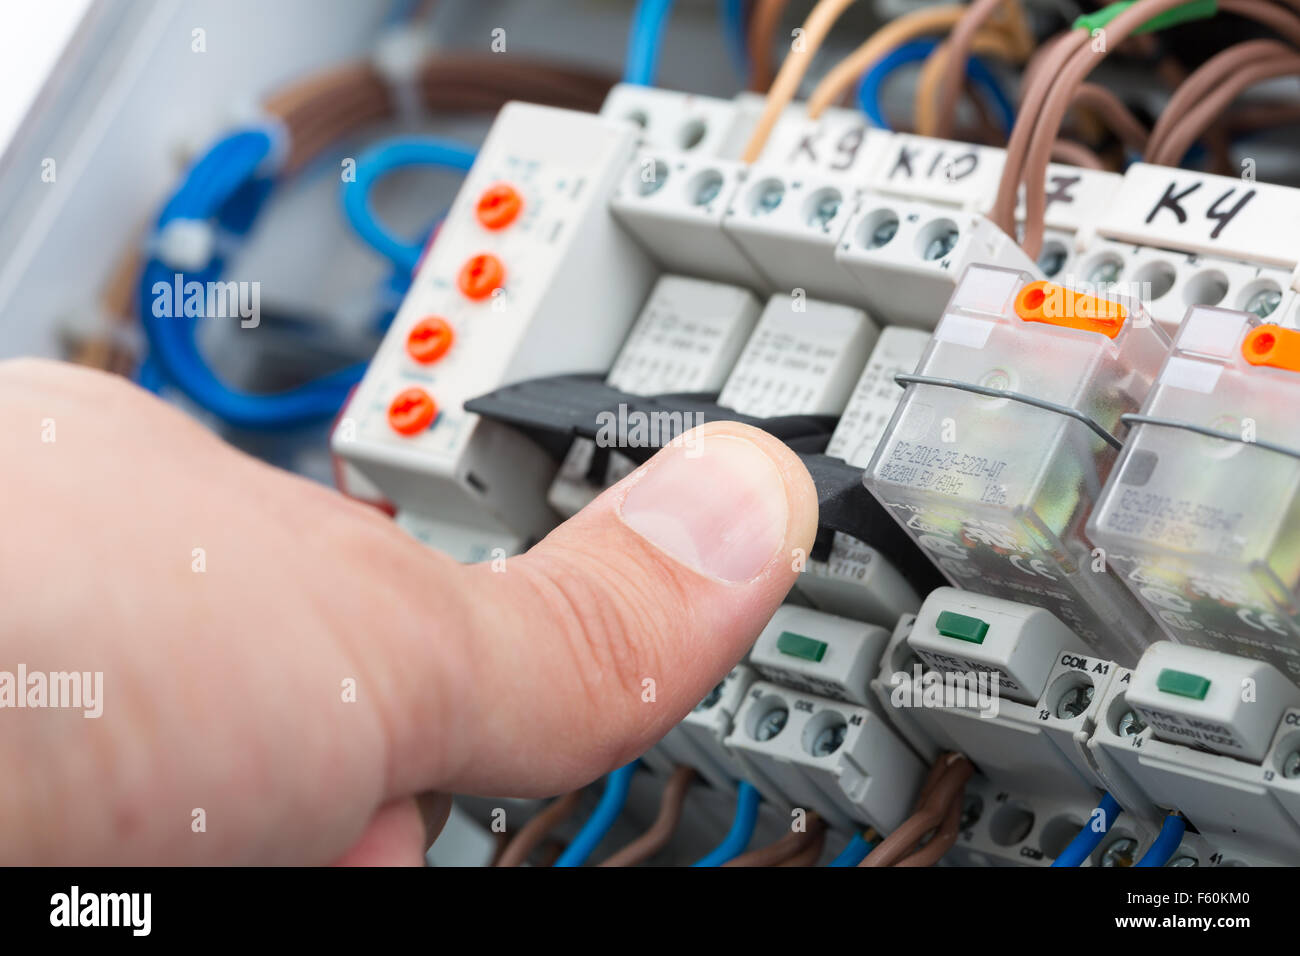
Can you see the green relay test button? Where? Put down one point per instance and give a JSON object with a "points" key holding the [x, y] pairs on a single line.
{"points": [[1183, 684], [796, 645], [961, 626]]}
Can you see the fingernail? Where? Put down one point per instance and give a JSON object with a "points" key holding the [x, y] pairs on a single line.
{"points": [[717, 505]]}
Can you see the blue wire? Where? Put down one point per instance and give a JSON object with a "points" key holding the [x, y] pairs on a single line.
{"points": [[648, 22], [378, 162], [732, 13], [1162, 849], [606, 812], [869, 88], [225, 188], [854, 853], [1088, 839], [742, 828]]}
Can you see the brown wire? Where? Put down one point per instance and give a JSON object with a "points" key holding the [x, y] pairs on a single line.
{"points": [[1204, 113], [763, 22], [1209, 75], [661, 831], [932, 807], [787, 847], [1112, 112], [956, 51], [944, 838], [810, 854], [1084, 59], [1070, 153], [539, 828]]}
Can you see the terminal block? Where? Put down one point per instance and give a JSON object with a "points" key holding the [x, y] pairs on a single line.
{"points": [[820, 653], [1213, 736], [1003, 439], [698, 741], [843, 761], [1202, 515]]}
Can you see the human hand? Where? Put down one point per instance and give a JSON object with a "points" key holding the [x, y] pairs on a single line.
{"points": [[224, 689]]}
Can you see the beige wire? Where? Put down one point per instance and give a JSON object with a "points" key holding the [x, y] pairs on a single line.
{"points": [[931, 105], [665, 824], [944, 838], [923, 22], [538, 828], [941, 76], [792, 71]]}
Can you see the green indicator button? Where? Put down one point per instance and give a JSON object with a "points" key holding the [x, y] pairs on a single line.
{"points": [[962, 627], [1183, 684], [796, 645]]}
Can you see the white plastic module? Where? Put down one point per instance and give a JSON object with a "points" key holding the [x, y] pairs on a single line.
{"points": [[996, 490], [839, 759], [1217, 702], [1170, 283], [671, 120], [674, 203], [820, 653], [803, 359], [687, 339], [854, 581], [1194, 212], [937, 170], [908, 255], [1205, 530], [1034, 747], [698, 741], [839, 142], [1247, 810], [969, 633], [501, 295], [789, 224]]}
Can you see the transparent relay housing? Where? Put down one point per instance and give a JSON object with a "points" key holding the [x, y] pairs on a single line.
{"points": [[998, 491], [1206, 530]]}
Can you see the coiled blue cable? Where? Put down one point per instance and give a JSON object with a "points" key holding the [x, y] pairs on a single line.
{"points": [[378, 162], [854, 853], [1162, 848], [872, 82], [1088, 838], [225, 188], [644, 39], [606, 812], [742, 828]]}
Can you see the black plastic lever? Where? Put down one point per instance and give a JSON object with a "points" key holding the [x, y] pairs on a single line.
{"points": [[555, 410]]}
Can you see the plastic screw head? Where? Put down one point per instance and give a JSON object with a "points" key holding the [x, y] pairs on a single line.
{"points": [[481, 275], [429, 340], [499, 206], [412, 411]]}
